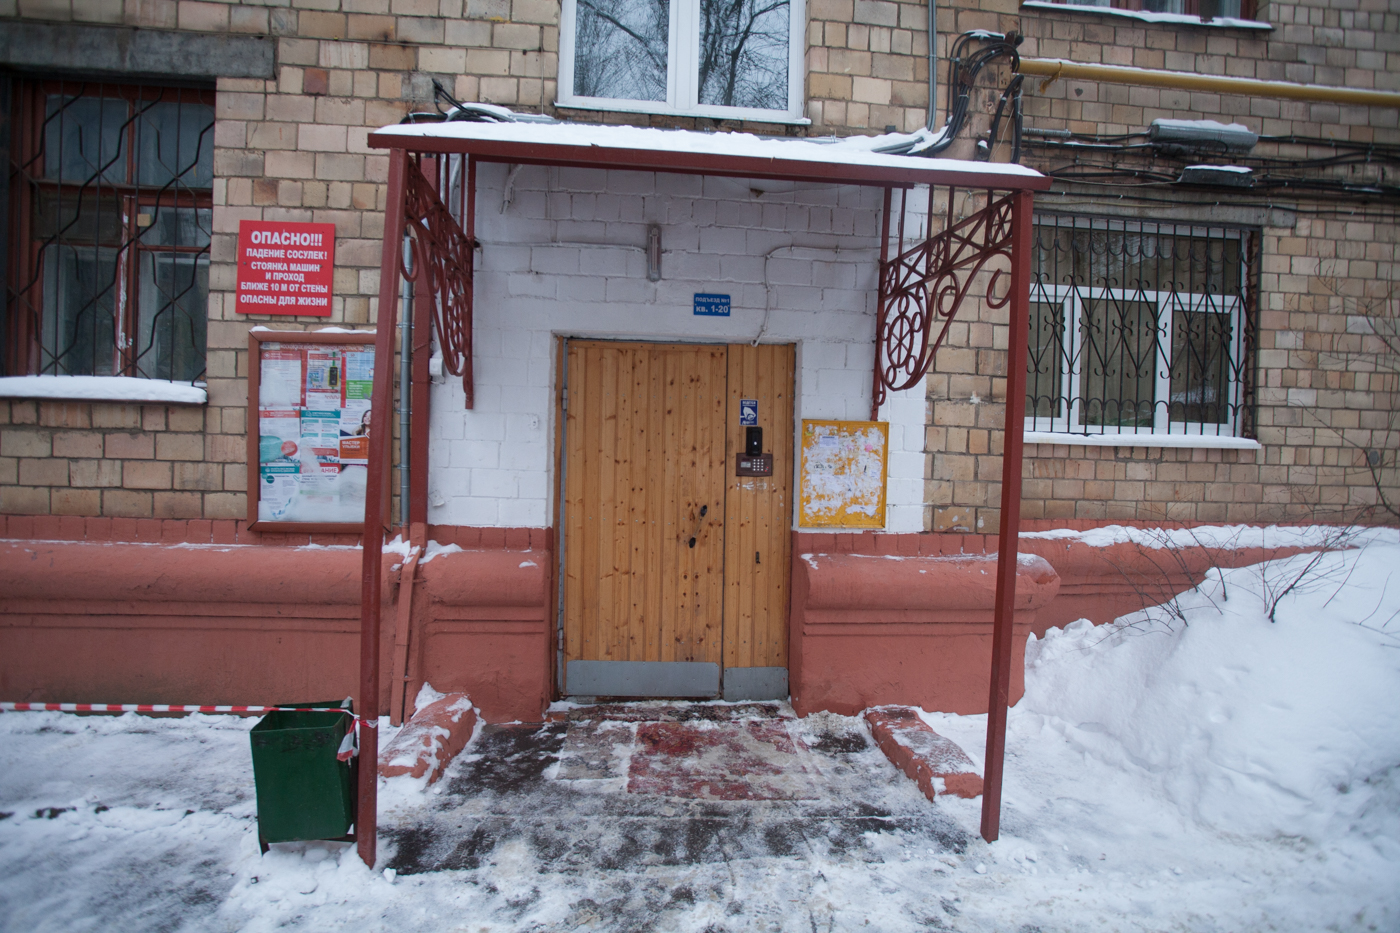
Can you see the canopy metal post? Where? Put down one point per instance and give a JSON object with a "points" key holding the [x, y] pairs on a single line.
{"points": [[877, 390], [416, 390], [367, 813], [1004, 612], [407, 462]]}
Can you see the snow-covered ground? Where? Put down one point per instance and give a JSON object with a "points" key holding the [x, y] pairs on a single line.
{"points": [[1194, 768]]}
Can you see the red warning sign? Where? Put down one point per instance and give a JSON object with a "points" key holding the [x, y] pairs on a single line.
{"points": [[285, 267]]}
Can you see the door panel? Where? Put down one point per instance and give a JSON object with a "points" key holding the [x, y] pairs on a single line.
{"points": [[758, 511], [645, 441], [651, 435]]}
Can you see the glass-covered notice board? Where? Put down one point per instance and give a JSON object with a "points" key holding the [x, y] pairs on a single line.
{"points": [[308, 429]]}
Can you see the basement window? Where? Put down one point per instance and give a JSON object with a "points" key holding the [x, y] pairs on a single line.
{"points": [[1140, 328]]}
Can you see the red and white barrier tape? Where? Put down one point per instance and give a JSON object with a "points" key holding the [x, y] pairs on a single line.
{"points": [[349, 747], [163, 708]]}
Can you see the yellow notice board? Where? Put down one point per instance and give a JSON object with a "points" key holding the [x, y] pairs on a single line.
{"points": [[844, 466]]}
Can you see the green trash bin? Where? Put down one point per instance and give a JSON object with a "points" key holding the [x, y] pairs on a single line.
{"points": [[304, 791]]}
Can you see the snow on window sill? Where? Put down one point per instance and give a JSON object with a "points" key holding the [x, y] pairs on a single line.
{"points": [[1210, 441], [1145, 16], [736, 114], [103, 389]]}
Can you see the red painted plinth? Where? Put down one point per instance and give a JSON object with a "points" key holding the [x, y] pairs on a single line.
{"points": [[134, 623], [876, 630]]}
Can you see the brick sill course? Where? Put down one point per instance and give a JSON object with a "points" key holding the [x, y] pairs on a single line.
{"points": [[661, 110], [1145, 16]]}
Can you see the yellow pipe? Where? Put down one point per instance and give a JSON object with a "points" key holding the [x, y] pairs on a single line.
{"points": [[1051, 69]]}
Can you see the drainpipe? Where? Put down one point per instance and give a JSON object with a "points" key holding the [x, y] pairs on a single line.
{"points": [[1051, 69], [932, 63], [405, 375]]}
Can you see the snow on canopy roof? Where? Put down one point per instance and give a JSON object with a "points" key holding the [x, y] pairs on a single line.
{"points": [[686, 151]]}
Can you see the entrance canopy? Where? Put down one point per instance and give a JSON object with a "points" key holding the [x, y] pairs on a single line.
{"points": [[848, 161], [430, 243]]}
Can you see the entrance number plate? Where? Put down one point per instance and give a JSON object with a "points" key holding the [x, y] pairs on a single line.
{"points": [[711, 305]]}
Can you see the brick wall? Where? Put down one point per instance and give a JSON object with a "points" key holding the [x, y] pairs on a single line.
{"points": [[867, 60], [1326, 401], [293, 148], [121, 461]]}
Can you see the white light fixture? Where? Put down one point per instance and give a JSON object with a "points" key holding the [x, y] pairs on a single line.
{"points": [[654, 253]]}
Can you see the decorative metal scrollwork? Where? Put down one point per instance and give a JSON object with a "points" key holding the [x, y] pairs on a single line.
{"points": [[442, 258], [926, 284]]}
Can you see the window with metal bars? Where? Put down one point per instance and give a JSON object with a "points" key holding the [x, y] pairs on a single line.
{"points": [[110, 215], [1140, 327]]}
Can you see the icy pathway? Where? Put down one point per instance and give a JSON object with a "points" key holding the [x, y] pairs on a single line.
{"points": [[738, 818]]}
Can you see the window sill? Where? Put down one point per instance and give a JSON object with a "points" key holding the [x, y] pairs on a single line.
{"points": [[745, 116], [1215, 441], [102, 389], [1144, 16]]}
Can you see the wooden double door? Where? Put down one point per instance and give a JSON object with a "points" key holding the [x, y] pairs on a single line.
{"points": [[675, 568]]}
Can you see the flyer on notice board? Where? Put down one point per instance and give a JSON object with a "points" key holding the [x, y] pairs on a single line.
{"points": [[313, 431]]}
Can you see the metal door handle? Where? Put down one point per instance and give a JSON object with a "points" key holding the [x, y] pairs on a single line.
{"points": [[704, 510]]}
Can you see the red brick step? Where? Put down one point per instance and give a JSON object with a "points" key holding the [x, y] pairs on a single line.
{"points": [[936, 763]]}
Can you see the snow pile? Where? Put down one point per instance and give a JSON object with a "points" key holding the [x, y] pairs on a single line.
{"points": [[1248, 726], [434, 550], [1219, 536]]}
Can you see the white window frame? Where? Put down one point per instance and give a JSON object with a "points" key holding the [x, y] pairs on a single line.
{"points": [[1071, 300], [683, 71]]}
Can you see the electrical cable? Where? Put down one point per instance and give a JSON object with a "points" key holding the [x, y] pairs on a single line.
{"points": [[1349, 153], [1013, 95], [1085, 170], [1241, 198], [963, 70], [932, 64]]}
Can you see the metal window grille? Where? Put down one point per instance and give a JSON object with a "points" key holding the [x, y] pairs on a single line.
{"points": [[110, 218], [1140, 327]]}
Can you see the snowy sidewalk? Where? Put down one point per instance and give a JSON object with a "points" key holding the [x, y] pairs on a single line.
{"points": [[1194, 768]]}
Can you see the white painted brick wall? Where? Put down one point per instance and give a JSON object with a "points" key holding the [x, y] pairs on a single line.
{"points": [[564, 258]]}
